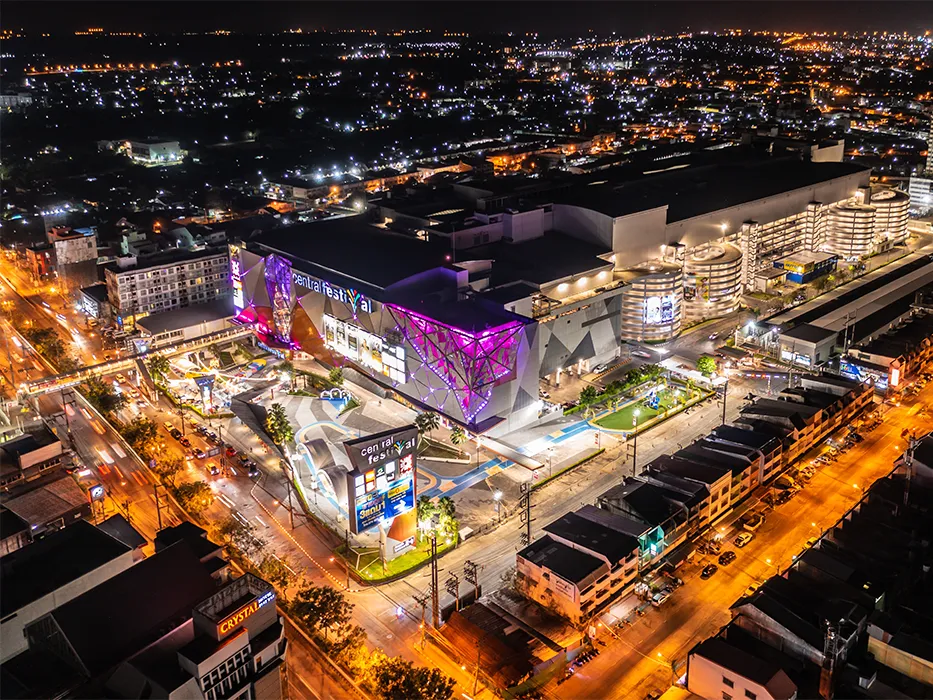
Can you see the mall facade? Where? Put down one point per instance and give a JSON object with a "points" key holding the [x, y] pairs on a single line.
{"points": [[461, 297]]}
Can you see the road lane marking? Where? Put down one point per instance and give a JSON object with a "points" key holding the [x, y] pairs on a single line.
{"points": [[261, 521], [141, 480], [226, 501]]}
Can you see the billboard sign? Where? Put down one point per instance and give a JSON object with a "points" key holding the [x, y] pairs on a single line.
{"points": [[659, 310], [382, 482]]}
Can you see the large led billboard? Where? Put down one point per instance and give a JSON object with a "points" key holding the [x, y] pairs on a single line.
{"points": [[659, 310], [383, 480]]}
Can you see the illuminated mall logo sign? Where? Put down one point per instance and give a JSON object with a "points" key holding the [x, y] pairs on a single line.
{"points": [[352, 298], [236, 277], [231, 622]]}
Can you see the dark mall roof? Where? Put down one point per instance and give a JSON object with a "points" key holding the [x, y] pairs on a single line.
{"points": [[540, 260], [702, 190], [122, 615], [352, 248], [508, 293], [52, 562], [808, 333], [591, 535], [566, 562]]}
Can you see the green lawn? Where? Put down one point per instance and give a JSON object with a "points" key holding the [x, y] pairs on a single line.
{"points": [[371, 567], [623, 418]]}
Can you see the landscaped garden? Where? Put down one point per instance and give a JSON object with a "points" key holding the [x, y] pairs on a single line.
{"points": [[623, 418]]}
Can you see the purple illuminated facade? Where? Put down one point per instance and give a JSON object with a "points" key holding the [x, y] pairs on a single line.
{"points": [[278, 274], [468, 363]]}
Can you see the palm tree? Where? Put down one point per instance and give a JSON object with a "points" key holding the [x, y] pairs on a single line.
{"points": [[427, 422], [277, 425], [458, 437]]}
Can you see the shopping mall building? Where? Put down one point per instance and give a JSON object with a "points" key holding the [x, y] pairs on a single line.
{"points": [[461, 297]]}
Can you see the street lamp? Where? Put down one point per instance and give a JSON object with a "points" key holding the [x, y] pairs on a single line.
{"points": [[635, 415]]}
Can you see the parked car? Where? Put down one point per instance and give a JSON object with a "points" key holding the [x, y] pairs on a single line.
{"points": [[121, 379], [743, 539], [657, 600], [544, 394], [752, 587], [708, 571], [600, 368], [753, 522], [812, 541], [726, 558], [714, 546]]}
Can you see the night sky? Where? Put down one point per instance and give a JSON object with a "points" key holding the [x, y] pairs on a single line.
{"points": [[477, 16]]}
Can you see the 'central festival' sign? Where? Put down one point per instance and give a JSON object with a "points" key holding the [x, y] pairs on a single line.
{"points": [[352, 298], [382, 483]]}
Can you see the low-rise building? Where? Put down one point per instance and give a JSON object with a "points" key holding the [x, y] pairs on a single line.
{"points": [[719, 670], [48, 573], [560, 578]]}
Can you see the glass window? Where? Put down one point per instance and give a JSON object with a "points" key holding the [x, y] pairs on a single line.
{"points": [[728, 682]]}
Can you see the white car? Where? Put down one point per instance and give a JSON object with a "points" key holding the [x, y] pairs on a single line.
{"points": [[599, 369], [743, 539]]}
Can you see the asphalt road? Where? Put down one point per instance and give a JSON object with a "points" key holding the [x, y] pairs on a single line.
{"points": [[631, 666]]}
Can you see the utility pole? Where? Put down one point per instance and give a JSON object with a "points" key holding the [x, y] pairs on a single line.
{"points": [[435, 609], [525, 505], [346, 547], [126, 510], [286, 469], [155, 489], [452, 584], [422, 600], [470, 571], [725, 392]]}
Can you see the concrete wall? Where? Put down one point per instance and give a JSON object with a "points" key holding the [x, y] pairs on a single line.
{"points": [[911, 666], [705, 678], [12, 637], [638, 238], [585, 224]]}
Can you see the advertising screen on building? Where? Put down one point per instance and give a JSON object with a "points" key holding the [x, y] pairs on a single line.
{"points": [[369, 350], [383, 481], [659, 310]]}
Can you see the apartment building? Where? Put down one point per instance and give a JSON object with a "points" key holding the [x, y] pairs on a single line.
{"points": [[141, 286]]}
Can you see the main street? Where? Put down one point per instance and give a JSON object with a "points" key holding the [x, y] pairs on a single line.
{"points": [[638, 657]]}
